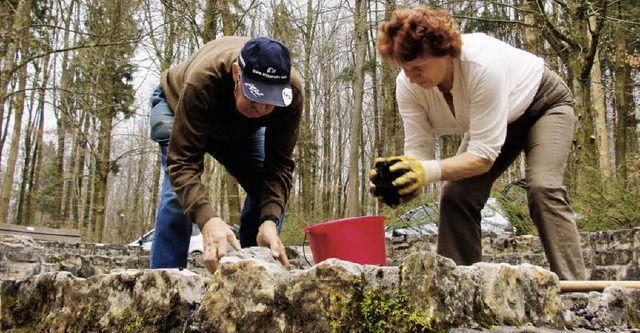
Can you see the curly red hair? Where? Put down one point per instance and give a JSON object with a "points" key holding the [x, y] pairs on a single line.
{"points": [[422, 31]]}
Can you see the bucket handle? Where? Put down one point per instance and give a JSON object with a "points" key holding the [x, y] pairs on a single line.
{"points": [[303, 252]]}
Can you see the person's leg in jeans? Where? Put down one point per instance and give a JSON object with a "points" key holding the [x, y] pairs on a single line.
{"points": [[172, 233], [244, 160], [549, 142]]}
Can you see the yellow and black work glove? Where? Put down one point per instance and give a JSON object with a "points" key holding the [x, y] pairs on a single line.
{"points": [[396, 179]]}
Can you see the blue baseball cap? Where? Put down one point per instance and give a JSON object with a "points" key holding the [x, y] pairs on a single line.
{"points": [[266, 71]]}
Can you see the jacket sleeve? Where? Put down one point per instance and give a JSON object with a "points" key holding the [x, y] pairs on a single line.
{"points": [[186, 155]]}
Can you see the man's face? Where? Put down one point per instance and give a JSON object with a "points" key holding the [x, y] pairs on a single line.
{"points": [[245, 106], [427, 71]]}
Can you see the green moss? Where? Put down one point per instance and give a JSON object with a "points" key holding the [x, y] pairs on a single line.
{"points": [[136, 326], [373, 311], [484, 318]]}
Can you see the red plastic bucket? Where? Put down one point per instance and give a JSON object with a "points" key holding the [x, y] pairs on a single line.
{"points": [[356, 239]]}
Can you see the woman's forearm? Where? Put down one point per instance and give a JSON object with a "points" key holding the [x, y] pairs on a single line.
{"points": [[463, 166]]}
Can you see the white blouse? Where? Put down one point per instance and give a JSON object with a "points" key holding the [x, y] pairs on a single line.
{"points": [[493, 84]]}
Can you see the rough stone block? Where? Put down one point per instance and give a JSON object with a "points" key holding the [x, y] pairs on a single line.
{"points": [[620, 239], [538, 259], [22, 256], [600, 240], [631, 272], [614, 310], [613, 257], [134, 301], [605, 273], [482, 293]]}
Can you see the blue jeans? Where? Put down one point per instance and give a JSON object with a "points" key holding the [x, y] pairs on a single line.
{"points": [[242, 158]]}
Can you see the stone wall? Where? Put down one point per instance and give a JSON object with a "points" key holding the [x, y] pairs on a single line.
{"points": [[608, 255], [22, 257], [59, 287]]}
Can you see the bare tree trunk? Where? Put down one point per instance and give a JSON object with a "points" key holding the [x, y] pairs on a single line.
{"points": [[375, 120], [101, 177], [27, 163], [211, 14], [327, 178], [74, 185], [10, 44], [155, 186], [58, 174], [127, 197], [22, 22], [392, 132], [87, 215], [338, 182], [363, 182], [224, 200], [33, 187], [233, 197], [135, 221], [353, 202], [585, 137], [306, 141], [626, 137], [602, 133], [227, 19], [218, 185]]}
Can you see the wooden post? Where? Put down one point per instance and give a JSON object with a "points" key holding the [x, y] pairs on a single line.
{"points": [[577, 286]]}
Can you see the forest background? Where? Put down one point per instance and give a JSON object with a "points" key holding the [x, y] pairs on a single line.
{"points": [[75, 76]]}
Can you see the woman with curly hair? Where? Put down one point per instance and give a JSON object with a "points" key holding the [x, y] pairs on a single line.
{"points": [[505, 101]]}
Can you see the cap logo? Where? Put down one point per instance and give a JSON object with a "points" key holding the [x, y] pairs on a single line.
{"points": [[287, 96], [254, 90], [269, 75], [270, 72]]}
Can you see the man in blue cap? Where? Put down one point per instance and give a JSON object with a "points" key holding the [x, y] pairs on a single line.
{"points": [[238, 100]]}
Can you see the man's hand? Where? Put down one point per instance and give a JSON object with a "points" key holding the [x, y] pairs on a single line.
{"points": [[215, 236], [268, 237]]}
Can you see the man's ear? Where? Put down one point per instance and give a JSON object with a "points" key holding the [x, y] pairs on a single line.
{"points": [[234, 70]]}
